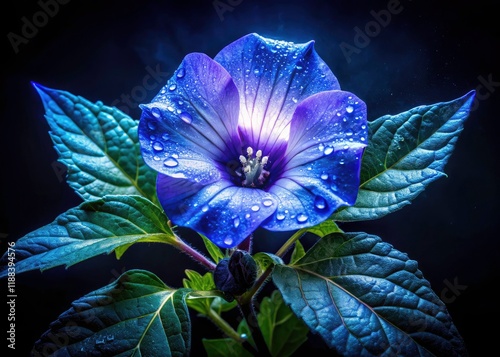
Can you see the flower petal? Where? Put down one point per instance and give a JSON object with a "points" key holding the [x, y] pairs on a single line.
{"points": [[327, 141], [189, 130], [324, 123], [307, 195], [272, 77], [225, 213]]}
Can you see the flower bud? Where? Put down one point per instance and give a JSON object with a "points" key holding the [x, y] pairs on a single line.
{"points": [[235, 275]]}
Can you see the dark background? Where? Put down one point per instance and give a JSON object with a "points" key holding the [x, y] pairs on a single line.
{"points": [[427, 53]]}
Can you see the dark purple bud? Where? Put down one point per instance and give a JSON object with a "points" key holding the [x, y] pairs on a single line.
{"points": [[235, 275]]}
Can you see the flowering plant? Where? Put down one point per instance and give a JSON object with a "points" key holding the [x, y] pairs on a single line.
{"points": [[260, 138]]}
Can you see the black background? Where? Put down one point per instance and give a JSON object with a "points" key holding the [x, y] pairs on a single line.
{"points": [[427, 53]]}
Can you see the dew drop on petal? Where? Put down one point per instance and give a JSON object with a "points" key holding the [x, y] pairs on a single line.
{"points": [[236, 222], [156, 158], [186, 117], [228, 241], [165, 136], [255, 208], [349, 109], [321, 147], [324, 176], [170, 162], [319, 202], [349, 132], [280, 216], [204, 208], [181, 73], [156, 112], [157, 146], [152, 124], [172, 87], [247, 216], [301, 218], [267, 203], [328, 150]]}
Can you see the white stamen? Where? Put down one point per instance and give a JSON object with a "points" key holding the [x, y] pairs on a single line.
{"points": [[258, 154], [264, 160], [249, 151], [243, 160]]}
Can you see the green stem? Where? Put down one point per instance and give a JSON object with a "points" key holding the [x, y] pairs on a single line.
{"points": [[193, 253], [288, 244], [248, 312], [229, 331], [224, 326], [246, 297]]}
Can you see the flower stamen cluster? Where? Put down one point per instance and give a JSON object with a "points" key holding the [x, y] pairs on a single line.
{"points": [[253, 168]]}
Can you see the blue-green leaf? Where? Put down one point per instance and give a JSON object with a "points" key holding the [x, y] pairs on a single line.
{"points": [[282, 330], [406, 152], [366, 298], [92, 228], [137, 315], [98, 145], [324, 228]]}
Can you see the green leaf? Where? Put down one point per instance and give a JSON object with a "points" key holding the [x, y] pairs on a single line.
{"points": [[98, 145], [137, 315], [196, 281], [92, 228], [224, 347], [363, 297], [265, 260], [324, 228], [406, 152], [298, 252], [212, 249], [282, 330]]}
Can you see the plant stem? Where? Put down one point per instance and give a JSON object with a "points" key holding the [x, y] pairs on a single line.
{"points": [[193, 253], [229, 331], [288, 244], [224, 326], [248, 312]]}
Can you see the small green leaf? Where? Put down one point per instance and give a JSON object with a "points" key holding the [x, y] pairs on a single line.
{"points": [[324, 228], [98, 145], [282, 330], [212, 249], [406, 152], [137, 315], [93, 228], [298, 252], [363, 297], [265, 260], [203, 296]]}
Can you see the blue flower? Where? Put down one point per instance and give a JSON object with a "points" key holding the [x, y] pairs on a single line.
{"points": [[259, 136]]}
